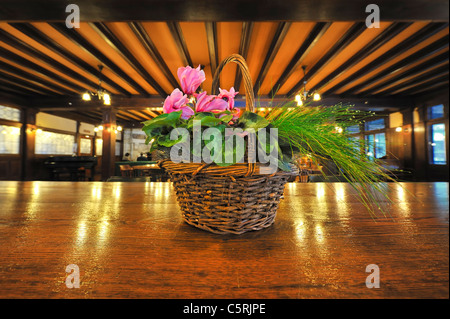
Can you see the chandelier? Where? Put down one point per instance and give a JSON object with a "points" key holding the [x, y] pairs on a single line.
{"points": [[101, 93], [304, 94]]}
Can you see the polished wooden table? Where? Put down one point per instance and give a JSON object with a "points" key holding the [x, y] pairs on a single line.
{"points": [[129, 241]]}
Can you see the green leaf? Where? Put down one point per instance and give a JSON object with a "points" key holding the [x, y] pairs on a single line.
{"points": [[250, 120], [163, 120], [167, 142]]}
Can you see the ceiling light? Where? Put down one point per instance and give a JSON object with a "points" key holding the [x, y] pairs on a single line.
{"points": [[316, 97], [398, 129], [86, 96], [119, 128]]}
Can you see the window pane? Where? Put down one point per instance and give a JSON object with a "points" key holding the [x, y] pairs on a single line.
{"points": [[353, 129], [436, 112], [98, 147], [118, 147], [380, 145], [54, 143], [438, 155], [85, 146], [9, 113], [370, 147], [375, 125], [9, 139]]}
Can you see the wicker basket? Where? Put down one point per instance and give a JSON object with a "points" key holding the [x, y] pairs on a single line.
{"points": [[233, 199]]}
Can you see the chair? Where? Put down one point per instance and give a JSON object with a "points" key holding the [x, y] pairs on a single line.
{"points": [[126, 171]]}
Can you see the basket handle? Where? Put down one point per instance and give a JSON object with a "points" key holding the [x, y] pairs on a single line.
{"points": [[249, 94]]}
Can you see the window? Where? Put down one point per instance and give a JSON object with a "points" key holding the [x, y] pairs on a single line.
{"points": [[375, 125], [9, 139], [85, 146], [437, 144], [9, 113], [435, 112], [376, 145], [54, 143]]}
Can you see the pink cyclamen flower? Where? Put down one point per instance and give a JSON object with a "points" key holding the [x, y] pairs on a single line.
{"points": [[228, 96], [210, 103], [190, 79], [177, 101]]}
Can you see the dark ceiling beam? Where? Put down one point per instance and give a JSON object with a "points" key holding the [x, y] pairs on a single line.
{"points": [[314, 36], [277, 40], [349, 36], [11, 79], [211, 39], [246, 35], [109, 37], [425, 87], [33, 79], [51, 44], [423, 67], [416, 82], [392, 31], [36, 54], [16, 89], [431, 93], [141, 115], [224, 10], [45, 73], [404, 46], [420, 55], [82, 43], [148, 44], [178, 37]]}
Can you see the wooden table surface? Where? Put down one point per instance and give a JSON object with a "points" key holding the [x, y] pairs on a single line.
{"points": [[129, 241]]}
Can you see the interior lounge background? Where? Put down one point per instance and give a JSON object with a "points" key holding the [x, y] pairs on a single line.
{"points": [[399, 71]]}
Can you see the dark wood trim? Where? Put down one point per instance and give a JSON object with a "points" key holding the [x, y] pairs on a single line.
{"points": [[418, 56], [76, 38], [34, 53], [424, 78], [33, 79], [11, 79], [246, 35], [109, 143], [16, 88], [404, 46], [148, 44], [224, 10], [314, 36], [277, 40], [45, 73], [211, 39], [49, 43], [427, 65], [352, 33], [426, 86], [109, 37], [392, 31], [178, 37]]}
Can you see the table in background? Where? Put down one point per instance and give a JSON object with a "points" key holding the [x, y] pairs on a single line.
{"points": [[129, 241]]}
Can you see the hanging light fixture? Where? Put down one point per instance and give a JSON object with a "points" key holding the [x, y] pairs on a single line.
{"points": [[101, 93], [304, 94]]}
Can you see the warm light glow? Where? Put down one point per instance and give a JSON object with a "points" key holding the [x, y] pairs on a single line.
{"points": [[119, 128], [95, 129], [39, 131], [398, 129], [100, 127], [86, 96], [106, 99], [316, 97], [339, 129], [298, 98]]}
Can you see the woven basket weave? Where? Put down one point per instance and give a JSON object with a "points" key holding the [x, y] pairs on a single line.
{"points": [[233, 199]]}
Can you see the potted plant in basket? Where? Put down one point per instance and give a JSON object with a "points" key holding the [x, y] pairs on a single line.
{"points": [[229, 166]]}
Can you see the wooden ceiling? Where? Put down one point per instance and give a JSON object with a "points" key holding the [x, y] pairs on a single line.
{"points": [[50, 66]]}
